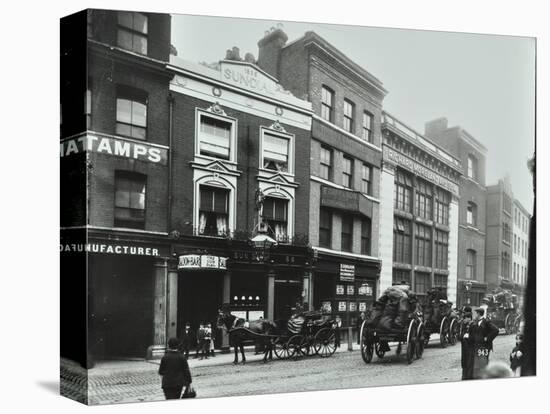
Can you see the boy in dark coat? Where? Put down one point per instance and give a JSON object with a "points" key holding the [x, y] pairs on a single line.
{"points": [[467, 349], [174, 371], [482, 334], [516, 356], [187, 339]]}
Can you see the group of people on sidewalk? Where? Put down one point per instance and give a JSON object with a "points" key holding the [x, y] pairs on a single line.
{"points": [[203, 340]]}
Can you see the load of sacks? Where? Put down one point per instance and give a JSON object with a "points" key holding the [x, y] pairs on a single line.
{"points": [[392, 309], [436, 307]]}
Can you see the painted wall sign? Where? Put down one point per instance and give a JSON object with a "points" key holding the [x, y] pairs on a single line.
{"points": [[247, 77], [109, 249], [417, 168], [347, 272], [116, 146], [202, 261]]}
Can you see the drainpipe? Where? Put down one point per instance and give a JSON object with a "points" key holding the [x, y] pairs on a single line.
{"points": [[170, 151]]}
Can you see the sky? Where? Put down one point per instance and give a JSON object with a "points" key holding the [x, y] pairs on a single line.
{"points": [[484, 83]]}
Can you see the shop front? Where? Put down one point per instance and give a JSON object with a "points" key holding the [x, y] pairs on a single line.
{"points": [[470, 293]]}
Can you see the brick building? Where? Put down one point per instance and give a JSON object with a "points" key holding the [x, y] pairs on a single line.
{"points": [[472, 154], [520, 248], [419, 220], [346, 155]]}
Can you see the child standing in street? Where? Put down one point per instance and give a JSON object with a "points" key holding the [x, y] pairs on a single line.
{"points": [[516, 356]]}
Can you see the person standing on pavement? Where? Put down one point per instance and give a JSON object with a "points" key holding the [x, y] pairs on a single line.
{"points": [[186, 340], [206, 341], [174, 371], [337, 325], [212, 339], [467, 349], [516, 356], [200, 341], [482, 334]]}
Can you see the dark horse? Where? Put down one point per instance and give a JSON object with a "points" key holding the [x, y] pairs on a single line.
{"points": [[239, 332]]}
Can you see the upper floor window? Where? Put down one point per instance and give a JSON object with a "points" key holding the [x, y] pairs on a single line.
{"points": [[325, 228], [399, 276], [347, 172], [505, 265], [215, 136], [327, 102], [506, 235], [403, 192], [347, 234], [275, 214], [276, 151], [442, 201], [366, 179], [421, 283], [471, 264], [423, 241], [349, 114], [423, 205], [440, 281], [366, 133], [507, 203], [132, 31], [472, 167], [213, 211], [471, 214], [130, 199], [441, 249], [366, 229], [131, 112], [325, 160], [402, 240]]}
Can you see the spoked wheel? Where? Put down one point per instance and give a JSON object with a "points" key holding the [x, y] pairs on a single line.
{"points": [[453, 332], [379, 352], [366, 343], [411, 340], [284, 349], [444, 332], [517, 323], [509, 323], [325, 342], [301, 345], [419, 347]]}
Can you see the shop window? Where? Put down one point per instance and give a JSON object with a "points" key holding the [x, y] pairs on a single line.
{"points": [[275, 214], [325, 228], [442, 201], [131, 112], [471, 264], [472, 167], [402, 240], [213, 211], [423, 251], [132, 31], [400, 275], [347, 234], [471, 214], [215, 136], [347, 172], [325, 167], [423, 202], [276, 150], [366, 179], [327, 102], [441, 249], [349, 114], [421, 283], [366, 133], [130, 190], [366, 229], [403, 192]]}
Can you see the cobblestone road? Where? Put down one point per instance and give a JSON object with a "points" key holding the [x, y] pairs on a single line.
{"points": [[116, 382]]}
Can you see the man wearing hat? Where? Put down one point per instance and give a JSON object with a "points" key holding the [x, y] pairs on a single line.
{"points": [[482, 333], [467, 354]]}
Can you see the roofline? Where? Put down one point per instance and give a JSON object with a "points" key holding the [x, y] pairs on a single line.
{"points": [[518, 203]]}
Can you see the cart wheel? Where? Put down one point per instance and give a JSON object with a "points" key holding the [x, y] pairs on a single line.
{"points": [[298, 343], [509, 323], [366, 343], [453, 332], [325, 342], [283, 348], [419, 347], [444, 332], [379, 353], [411, 339]]}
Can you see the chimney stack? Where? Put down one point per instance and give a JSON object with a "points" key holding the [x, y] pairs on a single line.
{"points": [[432, 129], [269, 52]]}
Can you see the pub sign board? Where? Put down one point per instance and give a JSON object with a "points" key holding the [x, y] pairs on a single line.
{"points": [[347, 272]]}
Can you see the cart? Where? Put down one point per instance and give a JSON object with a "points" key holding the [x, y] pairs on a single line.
{"points": [[439, 317]]}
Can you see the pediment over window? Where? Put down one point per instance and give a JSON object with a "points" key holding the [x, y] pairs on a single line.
{"points": [[217, 167], [278, 178]]}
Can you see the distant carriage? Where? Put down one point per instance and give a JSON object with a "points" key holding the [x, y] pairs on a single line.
{"points": [[503, 310], [439, 317], [393, 318]]}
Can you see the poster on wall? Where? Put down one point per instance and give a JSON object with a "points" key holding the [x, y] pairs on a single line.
{"points": [[341, 306], [351, 290], [362, 306], [255, 315], [339, 289], [326, 307], [365, 289], [347, 272], [352, 306]]}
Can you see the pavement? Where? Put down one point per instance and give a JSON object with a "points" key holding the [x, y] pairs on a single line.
{"points": [[133, 381]]}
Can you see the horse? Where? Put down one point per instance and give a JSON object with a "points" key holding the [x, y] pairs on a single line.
{"points": [[239, 332]]}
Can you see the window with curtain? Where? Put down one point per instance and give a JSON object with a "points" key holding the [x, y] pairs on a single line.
{"points": [[366, 133], [403, 192], [402, 239], [347, 234], [327, 102], [366, 229], [349, 109], [132, 31], [423, 202], [325, 228], [275, 152], [347, 172], [131, 112], [423, 241], [275, 214], [325, 163], [213, 211], [130, 191], [214, 137]]}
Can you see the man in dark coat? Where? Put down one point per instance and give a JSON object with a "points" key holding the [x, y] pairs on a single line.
{"points": [[187, 339], [482, 334], [467, 349], [201, 333], [174, 371]]}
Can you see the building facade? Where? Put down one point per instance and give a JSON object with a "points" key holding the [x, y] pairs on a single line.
{"points": [[520, 248], [346, 154], [472, 203], [419, 220], [499, 244]]}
